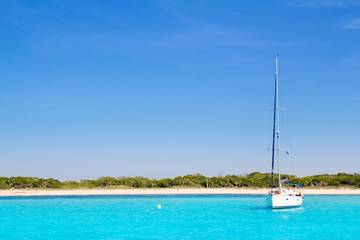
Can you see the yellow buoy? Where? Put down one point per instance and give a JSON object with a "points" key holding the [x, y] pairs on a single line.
{"points": [[159, 206]]}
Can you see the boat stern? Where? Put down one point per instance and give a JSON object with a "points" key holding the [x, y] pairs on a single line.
{"points": [[284, 200]]}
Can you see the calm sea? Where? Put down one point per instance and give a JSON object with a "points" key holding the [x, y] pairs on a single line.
{"points": [[181, 217]]}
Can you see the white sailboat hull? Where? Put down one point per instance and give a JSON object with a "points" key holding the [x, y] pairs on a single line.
{"points": [[284, 200]]}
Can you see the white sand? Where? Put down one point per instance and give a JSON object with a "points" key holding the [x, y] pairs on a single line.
{"points": [[152, 191]]}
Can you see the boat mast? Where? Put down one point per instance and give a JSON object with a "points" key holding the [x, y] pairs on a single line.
{"points": [[274, 130], [277, 119]]}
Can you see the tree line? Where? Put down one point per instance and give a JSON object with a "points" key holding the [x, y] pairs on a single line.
{"points": [[255, 179]]}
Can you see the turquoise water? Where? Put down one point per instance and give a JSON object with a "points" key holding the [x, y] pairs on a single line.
{"points": [[181, 217]]}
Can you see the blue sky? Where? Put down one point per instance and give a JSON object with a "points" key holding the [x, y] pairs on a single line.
{"points": [[167, 88]]}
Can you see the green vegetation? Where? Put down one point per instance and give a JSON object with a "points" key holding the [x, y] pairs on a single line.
{"points": [[256, 179]]}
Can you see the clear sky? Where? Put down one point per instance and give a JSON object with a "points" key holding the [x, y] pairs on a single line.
{"points": [[167, 88]]}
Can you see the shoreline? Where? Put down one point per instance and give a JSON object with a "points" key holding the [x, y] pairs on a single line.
{"points": [[167, 191]]}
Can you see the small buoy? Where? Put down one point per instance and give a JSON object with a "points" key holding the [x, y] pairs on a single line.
{"points": [[159, 206]]}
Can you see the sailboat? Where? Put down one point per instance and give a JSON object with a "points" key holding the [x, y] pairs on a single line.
{"points": [[281, 196]]}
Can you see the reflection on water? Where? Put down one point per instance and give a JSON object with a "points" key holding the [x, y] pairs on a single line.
{"points": [[290, 210], [283, 210]]}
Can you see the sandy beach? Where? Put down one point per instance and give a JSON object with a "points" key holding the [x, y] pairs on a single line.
{"points": [[161, 191]]}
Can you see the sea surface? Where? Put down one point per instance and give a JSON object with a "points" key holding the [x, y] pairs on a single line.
{"points": [[180, 217]]}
